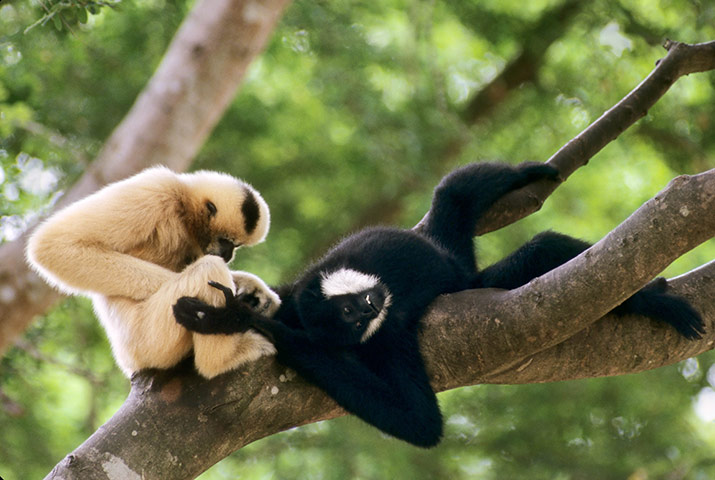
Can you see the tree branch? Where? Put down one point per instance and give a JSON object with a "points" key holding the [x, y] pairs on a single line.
{"points": [[682, 59], [541, 316], [616, 346], [470, 337], [168, 123]]}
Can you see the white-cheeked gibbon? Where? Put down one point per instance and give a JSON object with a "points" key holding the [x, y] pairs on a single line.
{"points": [[136, 246]]}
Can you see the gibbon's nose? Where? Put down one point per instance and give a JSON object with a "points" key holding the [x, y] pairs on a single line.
{"points": [[226, 248]]}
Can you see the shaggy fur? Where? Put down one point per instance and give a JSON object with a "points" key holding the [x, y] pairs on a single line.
{"points": [[137, 245]]}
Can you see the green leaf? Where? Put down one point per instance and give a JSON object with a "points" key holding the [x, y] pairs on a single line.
{"points": [[82, 14], [58, 22]]}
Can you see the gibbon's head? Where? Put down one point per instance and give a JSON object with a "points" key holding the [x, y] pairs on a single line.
{"points": [[356, 302], [227, 212]]}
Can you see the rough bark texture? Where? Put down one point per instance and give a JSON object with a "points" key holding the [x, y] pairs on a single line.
{"points": [[169, 122], [532, 334]]}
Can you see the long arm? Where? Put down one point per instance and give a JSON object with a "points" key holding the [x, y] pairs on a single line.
{"points": [[397, 398], [548, 250], [114, 241]]}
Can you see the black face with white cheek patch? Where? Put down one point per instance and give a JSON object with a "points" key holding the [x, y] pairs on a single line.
{"points": [[359, 312], [344, 320], [343, 307]]}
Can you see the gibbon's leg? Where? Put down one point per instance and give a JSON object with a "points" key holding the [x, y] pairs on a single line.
{"points": [[462, 198], [145, 335], [213, 354], [548, 250], [539, 255]]}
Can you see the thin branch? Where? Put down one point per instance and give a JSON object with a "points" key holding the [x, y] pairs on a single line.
{"points": [[682, 59]]}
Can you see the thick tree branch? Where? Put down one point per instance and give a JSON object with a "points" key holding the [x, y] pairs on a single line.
{"points": [[615, 346], [682, 59], [169, 122], [471, 337], [541, 315]]}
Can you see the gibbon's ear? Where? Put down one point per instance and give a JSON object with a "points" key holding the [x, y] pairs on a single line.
{"points": [[211, 208]]}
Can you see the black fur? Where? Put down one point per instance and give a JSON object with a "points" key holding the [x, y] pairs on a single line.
{"points": [[251, 212], [381, 378]]}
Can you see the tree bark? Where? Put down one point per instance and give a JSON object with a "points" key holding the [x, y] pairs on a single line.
{"points": [[536, 333], [168, 123], [544, 331]]}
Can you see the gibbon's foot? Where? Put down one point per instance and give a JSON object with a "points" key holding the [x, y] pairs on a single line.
{"points": [[534, 171], [655, 301], [256, 293]]}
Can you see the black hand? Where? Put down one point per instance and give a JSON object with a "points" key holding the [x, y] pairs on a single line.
{"points": [[227, 292], [200, 317], [237, 301], [191, 312]]}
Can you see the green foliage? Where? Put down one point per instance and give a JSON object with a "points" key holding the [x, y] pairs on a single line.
{"points": [[65, 14], [350, 117]]}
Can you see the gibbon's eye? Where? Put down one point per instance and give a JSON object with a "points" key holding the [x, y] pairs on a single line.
{"points": [[347, 310], [211, 208]]}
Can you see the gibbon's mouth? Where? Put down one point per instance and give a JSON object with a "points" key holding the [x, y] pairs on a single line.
{"points": [[370, 303], [223, 248], [375, 324]]}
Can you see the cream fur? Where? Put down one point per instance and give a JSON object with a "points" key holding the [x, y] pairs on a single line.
{"points": [[138, 245]]}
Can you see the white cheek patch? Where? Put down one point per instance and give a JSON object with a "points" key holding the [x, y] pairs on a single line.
{"points": [[346, 281], [376, 323]]}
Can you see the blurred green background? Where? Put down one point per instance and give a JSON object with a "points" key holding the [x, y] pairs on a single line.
{"points": [[350, 118]]}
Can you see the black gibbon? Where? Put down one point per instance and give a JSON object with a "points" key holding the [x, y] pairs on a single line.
{"points": [[135, 246], [349, 324]]}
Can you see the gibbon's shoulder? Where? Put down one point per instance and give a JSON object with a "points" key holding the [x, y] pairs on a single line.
{"points": [[150, 185]]}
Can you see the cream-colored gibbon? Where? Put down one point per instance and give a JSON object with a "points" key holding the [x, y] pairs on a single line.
{"points": [[136, 246]]}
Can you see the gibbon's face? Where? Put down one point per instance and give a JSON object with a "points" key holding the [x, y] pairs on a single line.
{"points": [[351, 307], [234, 214]]}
